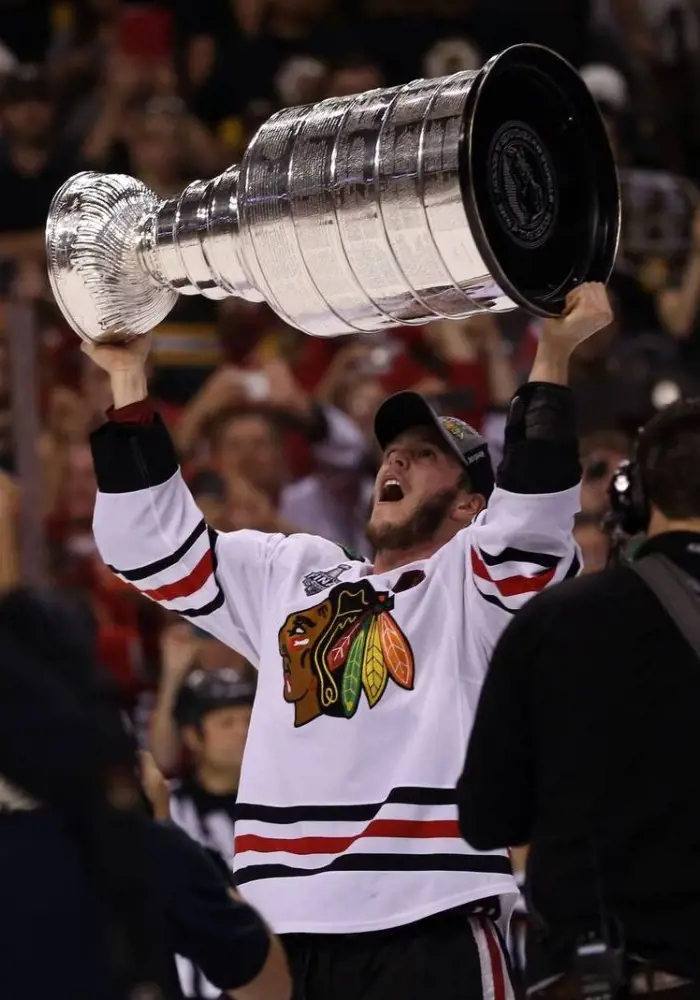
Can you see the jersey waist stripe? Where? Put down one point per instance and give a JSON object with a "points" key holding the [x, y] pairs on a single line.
{"points": [[410, 829], [481, 863], [410, 795]]}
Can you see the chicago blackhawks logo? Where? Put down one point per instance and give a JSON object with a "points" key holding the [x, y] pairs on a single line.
{"points": [[343, 646]]}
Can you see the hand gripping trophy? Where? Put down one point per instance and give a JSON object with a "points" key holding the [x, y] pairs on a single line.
{"points": [[480, 191]]}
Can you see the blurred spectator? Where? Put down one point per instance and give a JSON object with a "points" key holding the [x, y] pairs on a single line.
{"points": [[178, 653], [9, 555], [206, 34], [601, 454], [209, 492], [83, 38], [183, 649], [76, 566], [32, 168], [6, 445], [594, 543], [212, 714], [657, 41], [158, 141], [248, 444], [596, 383], [451, 55], [25, 28], [353, 74], [166, 148], [334, 499], [292, 41], [464, 365], [611, 92], [159, 146], [679, 305], [400, 34]]}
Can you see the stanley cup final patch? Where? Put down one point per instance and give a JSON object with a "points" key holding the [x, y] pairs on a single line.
{"points": [[320, 580]]}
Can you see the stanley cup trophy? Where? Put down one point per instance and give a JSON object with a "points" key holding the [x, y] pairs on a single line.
{"points": [[480, 191]]}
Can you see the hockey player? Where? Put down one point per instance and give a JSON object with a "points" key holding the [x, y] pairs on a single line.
{"points": [[347, 837]]}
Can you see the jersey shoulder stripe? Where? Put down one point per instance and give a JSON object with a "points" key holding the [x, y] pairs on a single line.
{"points": [[510, 554], [187, 572], [512, 586], [501, 591]]}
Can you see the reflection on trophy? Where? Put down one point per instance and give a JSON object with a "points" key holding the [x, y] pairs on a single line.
{"points": [[480, 191]]}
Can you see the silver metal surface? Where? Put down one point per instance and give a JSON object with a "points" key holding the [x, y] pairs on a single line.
{"points": [[349, 215]]}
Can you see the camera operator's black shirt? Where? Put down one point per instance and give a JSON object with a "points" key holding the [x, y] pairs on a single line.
{"points": [[586, 745], [52, 940]]}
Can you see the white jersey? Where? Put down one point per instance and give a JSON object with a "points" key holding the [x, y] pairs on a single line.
{"points": [[346, 818]]}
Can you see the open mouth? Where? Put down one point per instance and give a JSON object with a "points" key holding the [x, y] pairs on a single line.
{"points": [[391, 492]]}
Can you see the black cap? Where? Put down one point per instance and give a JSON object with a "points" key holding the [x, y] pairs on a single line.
{"points": [[204, 691], [409, 409]]}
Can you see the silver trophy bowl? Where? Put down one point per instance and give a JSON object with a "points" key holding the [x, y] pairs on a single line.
{"points": [[481, 191]]}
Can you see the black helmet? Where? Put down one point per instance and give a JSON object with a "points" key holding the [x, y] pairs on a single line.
{"points": [[206, 690]]}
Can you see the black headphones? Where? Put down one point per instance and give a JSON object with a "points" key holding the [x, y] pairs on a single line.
{"points": [[629, 508]]}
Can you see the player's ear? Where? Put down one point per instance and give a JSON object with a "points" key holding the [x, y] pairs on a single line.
{"points": [[191, 737], [467, 506]]}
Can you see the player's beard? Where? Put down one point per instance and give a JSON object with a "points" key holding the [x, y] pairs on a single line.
{"points": [[419, 529]]}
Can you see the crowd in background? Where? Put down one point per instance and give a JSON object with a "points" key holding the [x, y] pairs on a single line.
{"points": [[275, 427]]}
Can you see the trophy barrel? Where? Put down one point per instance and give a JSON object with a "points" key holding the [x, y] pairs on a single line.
{"points": [[481, 191]]}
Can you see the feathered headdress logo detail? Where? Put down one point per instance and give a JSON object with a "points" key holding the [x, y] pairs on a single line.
{"points": [[342, 647]]}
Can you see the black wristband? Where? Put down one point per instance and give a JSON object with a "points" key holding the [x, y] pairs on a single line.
{"points": [[541, 411], [131, 457], [541, 446]]}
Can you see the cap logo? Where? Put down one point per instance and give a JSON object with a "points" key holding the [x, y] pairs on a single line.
{"points": [[457, 428]]}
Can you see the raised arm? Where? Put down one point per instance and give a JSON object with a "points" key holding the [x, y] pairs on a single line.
{"points": [[523, 542], [148, 528]]}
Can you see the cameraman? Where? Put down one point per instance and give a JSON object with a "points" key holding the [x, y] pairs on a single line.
{"points": [[586, 745]]}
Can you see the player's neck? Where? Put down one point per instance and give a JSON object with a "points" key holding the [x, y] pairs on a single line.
{"points": [[390, 559]]}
